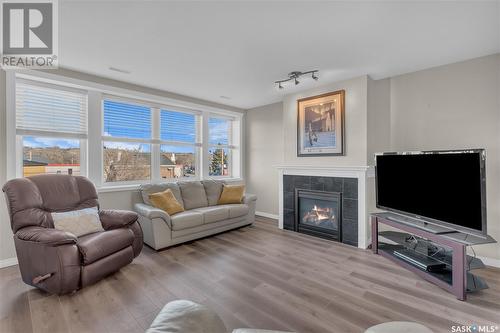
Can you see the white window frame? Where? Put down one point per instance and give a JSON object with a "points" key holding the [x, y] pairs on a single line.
{"points": [[232, 146], [155, 141], [20, 134], [197, 145], [105, 138], [92, 151]]}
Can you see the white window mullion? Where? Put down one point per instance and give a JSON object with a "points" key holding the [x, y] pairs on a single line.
{"points": [[155, 147], [83, 158], [94, 143], [236, 149], [198, 150], [204, 163], [19, 156]]}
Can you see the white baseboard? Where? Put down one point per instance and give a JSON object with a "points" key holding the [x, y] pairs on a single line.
{"points": [[8, 262], [490, 261], [270, 216]]}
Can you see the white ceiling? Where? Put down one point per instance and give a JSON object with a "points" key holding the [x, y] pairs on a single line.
{"points": [[238, 49]]}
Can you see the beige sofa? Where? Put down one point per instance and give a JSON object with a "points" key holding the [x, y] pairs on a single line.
{"points": [[202, 216]]}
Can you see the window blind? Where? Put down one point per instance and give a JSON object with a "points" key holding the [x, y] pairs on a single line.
{"points": [[178, 126], [43, 108], [219, 131], [127, 120]]}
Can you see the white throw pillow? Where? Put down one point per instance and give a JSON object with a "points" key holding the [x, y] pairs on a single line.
{"points": [[78, 222]]}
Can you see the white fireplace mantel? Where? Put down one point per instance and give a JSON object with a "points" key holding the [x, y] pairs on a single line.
{"points": [[362, 173]]}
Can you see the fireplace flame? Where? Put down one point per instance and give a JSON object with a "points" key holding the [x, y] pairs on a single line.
{"points": [[317, 215]]}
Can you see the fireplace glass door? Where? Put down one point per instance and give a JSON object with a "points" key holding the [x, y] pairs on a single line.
{"points": [[318, 213]]}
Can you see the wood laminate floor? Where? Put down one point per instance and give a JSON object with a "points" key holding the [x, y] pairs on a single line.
{"points": [[259, 277]]}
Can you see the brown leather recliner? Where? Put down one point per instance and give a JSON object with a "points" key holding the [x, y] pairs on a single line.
{"points": [[57, 261]]}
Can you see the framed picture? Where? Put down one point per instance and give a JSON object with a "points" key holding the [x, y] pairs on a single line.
{"points": [[320, 125]]}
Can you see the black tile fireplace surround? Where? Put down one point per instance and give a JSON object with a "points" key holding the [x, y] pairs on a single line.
{"points": [[346, 188]]}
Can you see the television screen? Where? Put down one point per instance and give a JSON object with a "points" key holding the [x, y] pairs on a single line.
{"points": [[438, 186]]}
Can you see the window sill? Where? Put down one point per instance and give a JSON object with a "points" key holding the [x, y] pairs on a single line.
{"points": [[118, 188]]}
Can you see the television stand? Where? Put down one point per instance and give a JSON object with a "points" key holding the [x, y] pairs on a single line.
{"points": [[440, 258]]}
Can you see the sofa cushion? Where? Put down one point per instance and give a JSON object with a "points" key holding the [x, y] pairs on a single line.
{"points": [[186, 316], [78, 222], [231, 194], [101, 244], [187, 219], [213, 189], [237, 210], [148, 189], [193, 194], [213, 214], [166, 201]]}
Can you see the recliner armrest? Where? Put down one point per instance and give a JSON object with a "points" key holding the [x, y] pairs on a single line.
{"points": [[113, 218], [152, 213], [247, 198], [46, 236]]}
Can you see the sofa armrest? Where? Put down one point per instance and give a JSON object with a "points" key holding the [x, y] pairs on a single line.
{"points": [[114, 219], [247, 198], [46, 236], [152, 213]]}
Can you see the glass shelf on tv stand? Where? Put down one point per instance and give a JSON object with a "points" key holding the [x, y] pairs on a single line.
{"points": [[391, 241], [427, 248], [450, 267]]}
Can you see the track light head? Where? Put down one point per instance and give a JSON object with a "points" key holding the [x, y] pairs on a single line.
{"points": [[296, 81], [314, 76], [280, 86]]}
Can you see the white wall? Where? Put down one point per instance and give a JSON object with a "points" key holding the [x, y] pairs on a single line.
{"points": [[449, 107], [264, 150], [379, 118], [355, 132]]}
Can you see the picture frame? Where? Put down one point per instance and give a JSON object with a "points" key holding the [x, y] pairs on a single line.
{"points": [[320, 125]]}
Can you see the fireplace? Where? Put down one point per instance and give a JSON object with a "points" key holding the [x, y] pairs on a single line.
{"points": [[318, 213]]}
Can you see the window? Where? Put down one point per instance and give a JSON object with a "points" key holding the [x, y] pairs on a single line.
{"points": [[177, 161], [50, 155], [51, 124], [218, 162], [179, 148], [60, 127], [126, 141], [126, 161], [125, 120], [219, 146]]}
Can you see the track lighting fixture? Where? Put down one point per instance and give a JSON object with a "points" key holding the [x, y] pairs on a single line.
{"points": [[295, 77]]}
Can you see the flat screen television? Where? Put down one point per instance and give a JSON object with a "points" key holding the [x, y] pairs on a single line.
{"points": [[446, 188]]}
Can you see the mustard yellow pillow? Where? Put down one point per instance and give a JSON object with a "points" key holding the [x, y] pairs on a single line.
{"points": [[166, 201], [231, 194]]}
